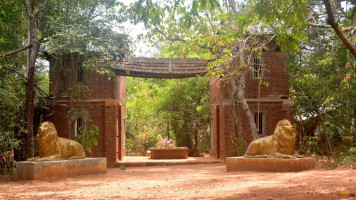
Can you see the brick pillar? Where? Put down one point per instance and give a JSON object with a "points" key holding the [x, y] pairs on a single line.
{"points": [[121, 134], [229, 134], [111, 148]]}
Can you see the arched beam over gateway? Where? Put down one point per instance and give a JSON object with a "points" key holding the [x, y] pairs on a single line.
{"points": [[162, 67]]}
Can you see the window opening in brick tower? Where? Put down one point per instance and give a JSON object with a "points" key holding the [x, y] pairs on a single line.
{"points": [[259, 122], [80, 74], [78, 126], [257, 68]]}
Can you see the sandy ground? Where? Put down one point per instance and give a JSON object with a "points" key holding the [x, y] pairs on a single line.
{"points": [[202, 181]]}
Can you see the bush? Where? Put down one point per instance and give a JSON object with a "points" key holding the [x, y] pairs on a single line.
{"points": [[89, 137], [309, 146], [349, 157], [7, 147]]}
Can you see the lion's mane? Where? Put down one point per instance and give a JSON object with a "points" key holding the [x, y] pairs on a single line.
{"points": [[284, 135], [47, 140]]}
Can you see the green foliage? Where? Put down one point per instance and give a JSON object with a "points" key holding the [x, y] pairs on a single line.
{"points": [[89, 139], [323, 89], [241, 146], [142, 124], [177, 109], [309, 146], [287, 19], [85, 28], [348, 157], [12, 27], [8, 144], [12, 122], [184, 105], [323, 86], [123, 167]]}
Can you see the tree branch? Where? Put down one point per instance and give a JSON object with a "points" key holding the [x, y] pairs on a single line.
{"points": [[178, 39], [41, 40], [37, 87], [319, 25], [331, 20], [16, 50]]}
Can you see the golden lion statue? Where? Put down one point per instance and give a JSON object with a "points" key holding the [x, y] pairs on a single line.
{"points": [[51, 147], [281, 144]]}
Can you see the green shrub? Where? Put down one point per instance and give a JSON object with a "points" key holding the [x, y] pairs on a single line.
{"points": [[89, 137], [349, 156], [7, 147], [309, 146]]}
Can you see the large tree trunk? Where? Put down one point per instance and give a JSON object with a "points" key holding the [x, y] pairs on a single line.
{"points": [[31, 64], [245, 108], [237, 87], [241, 93]]}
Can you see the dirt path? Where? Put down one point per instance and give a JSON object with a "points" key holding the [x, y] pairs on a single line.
{"points": [[209, 181]]}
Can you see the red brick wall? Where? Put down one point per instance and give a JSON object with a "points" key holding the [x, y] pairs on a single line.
{"points": [[276, 75], [217, 91], [96, 112], [60, 120], [106, 104], [101, 86]]}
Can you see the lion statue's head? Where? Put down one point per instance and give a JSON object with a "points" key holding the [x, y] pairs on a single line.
{"points": [[284, 135], [47, 139]]}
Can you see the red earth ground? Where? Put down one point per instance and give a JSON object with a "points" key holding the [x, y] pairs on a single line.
{"points": [[201, 181]]}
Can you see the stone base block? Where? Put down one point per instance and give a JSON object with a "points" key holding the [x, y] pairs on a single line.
{"points": [[269, 164], [51, 170], [172, 153]]}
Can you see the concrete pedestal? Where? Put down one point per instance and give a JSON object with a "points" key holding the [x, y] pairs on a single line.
{"points": [[51, 170], [172, 153], [269, 164]]}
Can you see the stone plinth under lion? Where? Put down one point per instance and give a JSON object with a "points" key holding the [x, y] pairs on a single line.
{"points": [[274, 153], [58, 158]]}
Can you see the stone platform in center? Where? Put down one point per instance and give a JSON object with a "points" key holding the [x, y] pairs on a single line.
{"points": [[269, 164], [169, 153], [51, 170]]}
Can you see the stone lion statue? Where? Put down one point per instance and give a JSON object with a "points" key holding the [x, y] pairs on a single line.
{"points": [[51, 147], [281, 144]]}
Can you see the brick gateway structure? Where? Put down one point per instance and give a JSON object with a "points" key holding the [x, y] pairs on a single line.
{"points": [[274, 101], [106, 101]]}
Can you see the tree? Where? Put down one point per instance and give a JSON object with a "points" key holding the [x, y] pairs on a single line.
{"points": [[331, 11], [176, 109], [183, 105], [31, 66], [12, 81], [142, 122], [80, 34]]}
